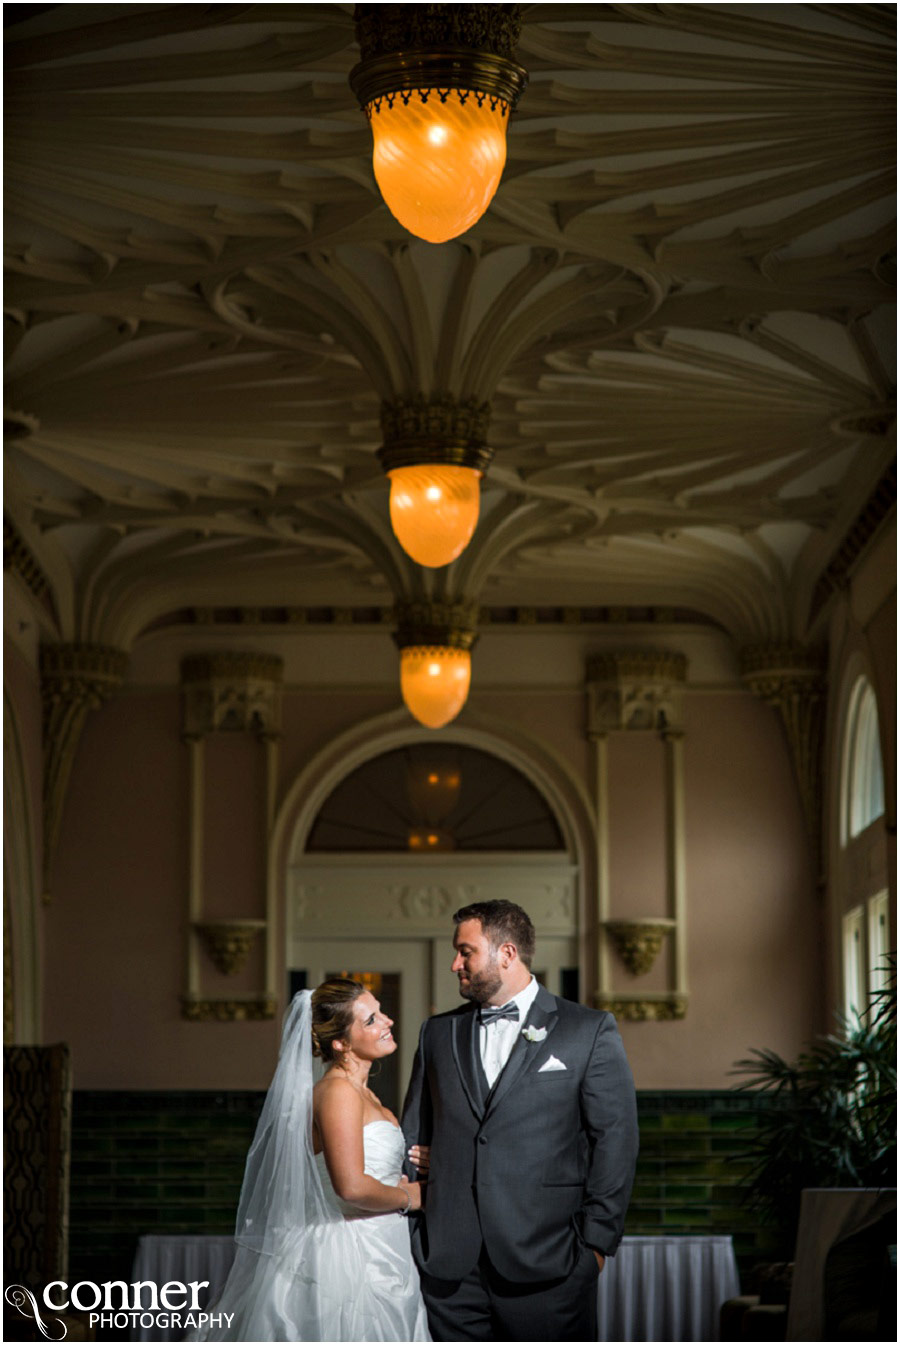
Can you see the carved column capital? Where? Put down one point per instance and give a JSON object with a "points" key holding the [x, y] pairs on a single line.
{"points": [[75, 678], [76, 673], [635, 689], [231, 692], [791, 678], [776, 672]]}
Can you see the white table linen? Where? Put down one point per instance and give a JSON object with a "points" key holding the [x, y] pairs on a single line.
{"points": [[666, 1288], [163, 1257], [654, 1288]]}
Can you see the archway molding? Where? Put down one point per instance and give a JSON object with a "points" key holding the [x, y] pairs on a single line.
{"points": [[524, 751]]}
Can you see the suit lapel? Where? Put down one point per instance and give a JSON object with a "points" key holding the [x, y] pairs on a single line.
{"points": [[542, 1014], [465, 1054]]}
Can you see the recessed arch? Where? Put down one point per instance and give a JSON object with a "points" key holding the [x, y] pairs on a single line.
{"points": [[528, 754], [533, 758], [434, 798]]}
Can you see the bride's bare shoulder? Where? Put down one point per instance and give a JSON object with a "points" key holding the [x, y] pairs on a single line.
{"points": [[335, 1089]]}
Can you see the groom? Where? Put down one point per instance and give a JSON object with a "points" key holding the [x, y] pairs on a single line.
{"points": [[528, 1105]]}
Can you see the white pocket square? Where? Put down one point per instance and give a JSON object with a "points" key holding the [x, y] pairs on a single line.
{"points": [[552, 1063]]}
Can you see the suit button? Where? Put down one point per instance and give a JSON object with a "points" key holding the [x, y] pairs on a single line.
{"points": [[482, 1139]]}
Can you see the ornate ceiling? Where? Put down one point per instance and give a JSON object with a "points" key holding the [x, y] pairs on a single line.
{"points": [[679, 305]]}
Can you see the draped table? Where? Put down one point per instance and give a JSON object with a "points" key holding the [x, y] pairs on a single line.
{"points": [[666, 1288], [655, 1288], [163, 1257]]}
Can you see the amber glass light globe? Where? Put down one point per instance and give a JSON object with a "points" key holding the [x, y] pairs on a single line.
{"points": [[437, 163], [434, 509], [435, 682]]}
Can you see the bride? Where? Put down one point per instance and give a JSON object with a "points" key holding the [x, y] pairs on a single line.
{"points": [[322, 1245]]}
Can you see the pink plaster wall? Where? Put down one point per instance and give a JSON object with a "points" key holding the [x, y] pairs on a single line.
{"points": [[637, 825], [754, 930], [116, 926], [234, 826]]}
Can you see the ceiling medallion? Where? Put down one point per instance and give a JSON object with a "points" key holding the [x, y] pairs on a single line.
{"points": [[435, 456], [435, 642], [437, 84]]}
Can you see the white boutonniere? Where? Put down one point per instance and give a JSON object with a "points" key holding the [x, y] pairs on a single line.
{"points": [[534, 1033]]}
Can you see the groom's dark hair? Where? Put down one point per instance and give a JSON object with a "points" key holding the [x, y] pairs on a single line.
{"points": [[502, 922]]}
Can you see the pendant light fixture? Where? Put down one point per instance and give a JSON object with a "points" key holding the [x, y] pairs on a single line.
{"points": [[435, 642], [437, 84], [434, 453]]}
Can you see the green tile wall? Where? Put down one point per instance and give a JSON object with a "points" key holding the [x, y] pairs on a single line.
{"points": [[690, 1169], [152, 1163], [172, 1163]]}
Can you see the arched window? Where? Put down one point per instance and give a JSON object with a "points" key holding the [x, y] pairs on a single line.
{"points": [[863, 775], [423, 799], [865, 920]]}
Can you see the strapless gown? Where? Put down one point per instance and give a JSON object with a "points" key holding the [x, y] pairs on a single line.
{"points": [[353, 1279]]}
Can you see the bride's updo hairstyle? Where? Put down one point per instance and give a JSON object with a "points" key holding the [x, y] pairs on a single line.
{"points": [[332, 1014]]}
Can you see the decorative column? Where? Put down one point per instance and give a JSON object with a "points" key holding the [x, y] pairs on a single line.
{"points": [[675, 859], [640, 691], [75, 679], [228, 693], [792, 680]]}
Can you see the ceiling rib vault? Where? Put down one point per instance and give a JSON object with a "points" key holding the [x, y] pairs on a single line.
{"points": [[679, 305]]}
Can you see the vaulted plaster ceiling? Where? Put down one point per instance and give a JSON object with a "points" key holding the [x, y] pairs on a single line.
{"points": [[679, 305]]}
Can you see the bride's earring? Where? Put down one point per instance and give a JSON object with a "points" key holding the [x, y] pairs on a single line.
{"points": [[342, 1052]]}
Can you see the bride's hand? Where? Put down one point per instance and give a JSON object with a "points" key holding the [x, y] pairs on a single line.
{"points": [[414, 1191], [420, 1157]]}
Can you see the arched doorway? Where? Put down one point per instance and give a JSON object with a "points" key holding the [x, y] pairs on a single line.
{"points": [[400, 840]]}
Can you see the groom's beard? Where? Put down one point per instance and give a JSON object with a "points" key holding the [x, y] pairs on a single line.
{"points": [[482, 985]]}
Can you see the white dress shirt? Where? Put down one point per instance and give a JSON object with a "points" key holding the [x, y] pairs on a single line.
{"points": [[497, 1039]]}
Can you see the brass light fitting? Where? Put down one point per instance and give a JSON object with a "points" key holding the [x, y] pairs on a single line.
{"points": [[437, 84]]}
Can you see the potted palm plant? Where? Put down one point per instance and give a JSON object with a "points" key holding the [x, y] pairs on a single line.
{"points": [[829, 1117], [826, 1119]]}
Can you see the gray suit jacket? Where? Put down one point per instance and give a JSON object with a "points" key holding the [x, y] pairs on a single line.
{"points": [[534, 1168]]}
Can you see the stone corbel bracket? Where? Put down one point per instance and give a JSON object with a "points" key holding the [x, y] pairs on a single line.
{"points": [[792, 680], [635, 689], [249, 1009], [229, 942], [75, 679], [638, 942], [665, 1008]]}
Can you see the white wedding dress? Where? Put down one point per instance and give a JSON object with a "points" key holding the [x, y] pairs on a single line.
{"points": [[351, 1277]]}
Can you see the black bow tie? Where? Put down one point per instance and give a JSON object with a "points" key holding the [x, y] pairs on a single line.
{"points": [[488, 1014]]}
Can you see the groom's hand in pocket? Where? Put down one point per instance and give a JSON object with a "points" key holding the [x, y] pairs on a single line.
{"points": [[601, 1259]]}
